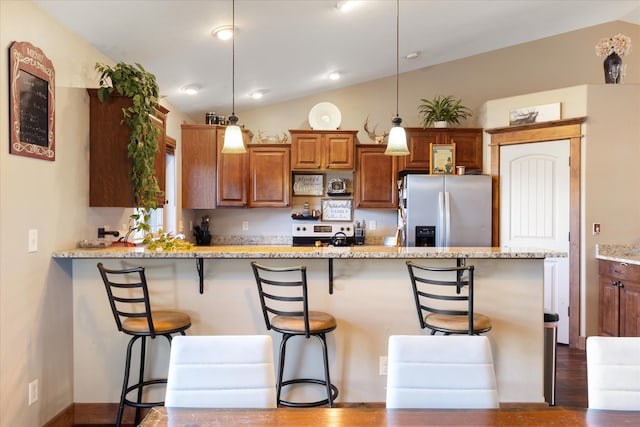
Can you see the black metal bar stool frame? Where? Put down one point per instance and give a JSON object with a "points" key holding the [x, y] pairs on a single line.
{"points": [[140, 325], [296, 321]]}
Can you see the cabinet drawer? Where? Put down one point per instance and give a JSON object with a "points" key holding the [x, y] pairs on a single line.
{"points": [[620, 270]]}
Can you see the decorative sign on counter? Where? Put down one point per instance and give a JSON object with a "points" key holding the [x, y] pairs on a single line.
{"points": [[337, 210], [31, 101], [308, 185]]}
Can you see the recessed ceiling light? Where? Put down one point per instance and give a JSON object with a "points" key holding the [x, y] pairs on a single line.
{"points": [[191, 89], [334, 76], [412, 55], [345, 5], [223, 33], [257, 94]]}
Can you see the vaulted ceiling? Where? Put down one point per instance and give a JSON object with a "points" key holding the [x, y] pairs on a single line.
{"points": [[287, 48]]}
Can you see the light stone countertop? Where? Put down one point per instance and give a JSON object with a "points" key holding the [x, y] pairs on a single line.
{"points": [[328, 252], [619, 253]]}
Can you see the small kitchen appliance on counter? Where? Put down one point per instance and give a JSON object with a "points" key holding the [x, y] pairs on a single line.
{"points": [[335, 233]]}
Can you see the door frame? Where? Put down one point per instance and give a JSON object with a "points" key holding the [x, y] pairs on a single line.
{"points": [[570, 129]]}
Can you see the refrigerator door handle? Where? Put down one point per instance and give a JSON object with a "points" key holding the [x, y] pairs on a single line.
{"points": [[447, 220], [441, 220]]}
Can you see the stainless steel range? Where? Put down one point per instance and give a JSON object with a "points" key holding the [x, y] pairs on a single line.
{"points": [[307, 233]]}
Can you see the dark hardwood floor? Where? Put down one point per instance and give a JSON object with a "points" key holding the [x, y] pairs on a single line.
{"points": [[571, 377], [571, 381]]}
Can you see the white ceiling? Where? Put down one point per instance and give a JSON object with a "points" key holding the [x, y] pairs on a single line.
{"points": [[288, 47]]}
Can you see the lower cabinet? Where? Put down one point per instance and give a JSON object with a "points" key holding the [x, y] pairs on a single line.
{"points": [[619, 299]]}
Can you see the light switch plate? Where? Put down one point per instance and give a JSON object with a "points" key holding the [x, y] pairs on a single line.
{"points": [[33, 240]]}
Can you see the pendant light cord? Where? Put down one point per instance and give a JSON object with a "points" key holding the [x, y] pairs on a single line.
{"points": [[233, 58], [397, 55]]}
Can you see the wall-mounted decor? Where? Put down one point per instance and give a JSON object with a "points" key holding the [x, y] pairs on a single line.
{"points": [[337, 209], [308, 185], [31, 102], [442, 158], [535, 114]]}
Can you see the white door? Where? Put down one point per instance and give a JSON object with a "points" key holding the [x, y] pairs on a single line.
{"points": [[534, 212]]}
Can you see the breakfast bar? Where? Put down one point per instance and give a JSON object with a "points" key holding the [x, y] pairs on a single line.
{"points": [[371, 300]]}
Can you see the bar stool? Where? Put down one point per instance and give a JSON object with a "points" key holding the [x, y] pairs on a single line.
{"points": [[129, 300], [283, 297], [444, 299]]}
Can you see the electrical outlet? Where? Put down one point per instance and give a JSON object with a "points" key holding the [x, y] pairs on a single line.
{"points": [[383, 365], [33, 240], [245, 225], [372, 225], [596, 228], [180, 226], [33, 392]]}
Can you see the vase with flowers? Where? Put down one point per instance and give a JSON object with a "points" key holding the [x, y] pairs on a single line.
{"points": [[613, 49]]}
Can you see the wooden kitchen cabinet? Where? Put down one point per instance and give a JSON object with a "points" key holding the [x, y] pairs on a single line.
{"points": [[619, 299], [468, 143], [269, 175], [376, 178], [109, 166], [199, 165], [322, 150], [231, 174]]}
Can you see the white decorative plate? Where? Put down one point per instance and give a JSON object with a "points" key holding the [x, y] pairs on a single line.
{"points": [[324, 116]]}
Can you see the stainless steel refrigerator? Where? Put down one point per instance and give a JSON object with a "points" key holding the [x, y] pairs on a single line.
{"points": [[446, 210]]}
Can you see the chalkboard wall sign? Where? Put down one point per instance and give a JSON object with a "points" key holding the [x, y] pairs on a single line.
{"points": [[32, 101]]}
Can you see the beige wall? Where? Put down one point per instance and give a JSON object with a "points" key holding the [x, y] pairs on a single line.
{"points": [[52, 197]]}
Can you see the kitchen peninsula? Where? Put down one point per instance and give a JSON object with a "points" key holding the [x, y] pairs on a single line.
{"points": [[371, 300]]}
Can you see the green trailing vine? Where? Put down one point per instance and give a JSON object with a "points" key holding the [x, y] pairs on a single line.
{"points": [[134, 82]]}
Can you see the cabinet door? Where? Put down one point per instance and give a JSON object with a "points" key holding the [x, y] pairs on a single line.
{"points": [[306, 151], [419, 143], [376, 177], [608, 322], [468, 147], [269, 167], [629, 309], [199, 166], [339, 151], [231, 183]]}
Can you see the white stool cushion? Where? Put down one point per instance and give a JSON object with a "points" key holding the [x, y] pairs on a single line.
{"points": [[438, 371], [613, 373], [221, 372]]}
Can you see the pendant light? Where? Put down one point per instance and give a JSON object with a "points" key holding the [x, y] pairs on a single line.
{"points": [[397, 144], [233, 143]]}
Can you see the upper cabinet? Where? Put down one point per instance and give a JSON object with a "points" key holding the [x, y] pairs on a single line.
{"points": [[109, 165], [376, 177], [231, 174], [322, 150], [468, 143], [269, 175], [210, 179]]}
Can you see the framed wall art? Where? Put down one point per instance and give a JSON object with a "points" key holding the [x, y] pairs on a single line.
{"points": [[31, 102], [442, 159], [337, 209], [535, 114], [308, 185]]}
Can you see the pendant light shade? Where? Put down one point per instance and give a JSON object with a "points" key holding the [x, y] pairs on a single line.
{"points": [[397, 144], [233, 143]]}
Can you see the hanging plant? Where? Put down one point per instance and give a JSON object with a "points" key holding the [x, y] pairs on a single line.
{"points": [[134, 82]]}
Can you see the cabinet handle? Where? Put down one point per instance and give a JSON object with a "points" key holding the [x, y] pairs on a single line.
{"points": [[614, 283], [620, 285], [618, 271]]}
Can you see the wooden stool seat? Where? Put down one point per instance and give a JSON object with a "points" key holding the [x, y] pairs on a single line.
{"points": [[319, 322], [457, 324], [164, 322]]}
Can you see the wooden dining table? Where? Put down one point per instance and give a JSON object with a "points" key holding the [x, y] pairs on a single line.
{"points": [[356, 416]]}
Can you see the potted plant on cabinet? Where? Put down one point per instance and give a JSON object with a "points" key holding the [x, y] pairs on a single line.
{"points": [[134, 82], [442, 111]]}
